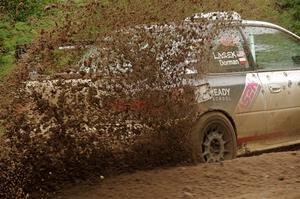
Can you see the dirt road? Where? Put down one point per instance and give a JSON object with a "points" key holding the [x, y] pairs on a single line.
{"points": [[275, 175]]}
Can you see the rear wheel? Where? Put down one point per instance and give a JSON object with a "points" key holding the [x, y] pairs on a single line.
{"points": [[214, 138]]}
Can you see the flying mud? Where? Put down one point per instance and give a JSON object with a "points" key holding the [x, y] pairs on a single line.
{"points": [[74, 111]]}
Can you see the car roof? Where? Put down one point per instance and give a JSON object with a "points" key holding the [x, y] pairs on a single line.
{"points": [[215, 16], [234, 17], [252, 23]]}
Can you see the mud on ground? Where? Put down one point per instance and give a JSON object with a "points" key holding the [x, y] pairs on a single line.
{"points": [[272, 176]]}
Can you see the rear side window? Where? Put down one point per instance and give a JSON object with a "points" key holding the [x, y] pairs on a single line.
{"points": [[228, 53], [272, 49]]}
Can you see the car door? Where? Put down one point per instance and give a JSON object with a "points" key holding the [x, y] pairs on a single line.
{"points": [[276, 54], [236, 86]]}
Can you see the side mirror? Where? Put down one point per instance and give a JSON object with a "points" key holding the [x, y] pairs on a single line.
{"points": [[296, 59]]}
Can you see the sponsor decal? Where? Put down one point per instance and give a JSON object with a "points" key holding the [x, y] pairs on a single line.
{"points": [[221, 94], [221, 91], [243, 61], [230, 58], [241, 54], [228, 62], [224, 55], [242, 57], [252, 88]]}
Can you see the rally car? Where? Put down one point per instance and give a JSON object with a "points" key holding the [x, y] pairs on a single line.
{"points": [[255, 83], [249, 96]]}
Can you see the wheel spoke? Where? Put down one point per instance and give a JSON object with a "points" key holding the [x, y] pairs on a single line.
{"points": [[227, 141], [205, 153], [206, 143], [226, 151], [220, 135]]}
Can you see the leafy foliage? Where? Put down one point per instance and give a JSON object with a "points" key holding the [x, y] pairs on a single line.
{"points": [[20, 28], [290, 14], [10, 36], [20, 10]]}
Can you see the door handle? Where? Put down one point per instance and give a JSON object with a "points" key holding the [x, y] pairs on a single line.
{"points": [[274, 88]]}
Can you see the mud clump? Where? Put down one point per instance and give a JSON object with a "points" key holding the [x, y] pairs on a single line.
{"points": [[127, 105]]}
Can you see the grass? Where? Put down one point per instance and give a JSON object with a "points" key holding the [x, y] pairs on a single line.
{"points": [[10, 36], [18, 33], [13, 33]]}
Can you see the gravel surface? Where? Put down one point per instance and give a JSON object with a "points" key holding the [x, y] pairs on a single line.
{"points": [[274, 175]]}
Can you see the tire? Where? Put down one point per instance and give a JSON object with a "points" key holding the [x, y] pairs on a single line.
{"points": [[213, 139]]}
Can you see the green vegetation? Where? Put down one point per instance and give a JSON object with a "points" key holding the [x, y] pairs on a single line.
{"points": [[20, 24], [21, 10], [10, 36], [22, 20], [290, 14]]}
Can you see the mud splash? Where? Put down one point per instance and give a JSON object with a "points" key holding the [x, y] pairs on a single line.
{"points": [[126, 106]]}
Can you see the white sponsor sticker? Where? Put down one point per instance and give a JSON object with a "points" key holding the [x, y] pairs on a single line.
{"points": [[221, 94], [230, 58]]}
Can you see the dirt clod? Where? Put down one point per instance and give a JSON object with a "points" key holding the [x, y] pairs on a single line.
{"points": [[281, 178], [187, 195]]}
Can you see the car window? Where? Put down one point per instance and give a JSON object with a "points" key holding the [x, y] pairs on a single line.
{"points": [[228, 53], [273, 49]]}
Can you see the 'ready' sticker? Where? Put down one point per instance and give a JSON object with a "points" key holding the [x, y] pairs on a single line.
{"points": [[222, 94]]}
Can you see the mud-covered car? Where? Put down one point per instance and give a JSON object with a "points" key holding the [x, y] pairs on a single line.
{"points": [[255, 84], [249, 95]]}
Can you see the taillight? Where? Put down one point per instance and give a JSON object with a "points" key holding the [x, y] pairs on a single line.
{"points": [[123, 105]]}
